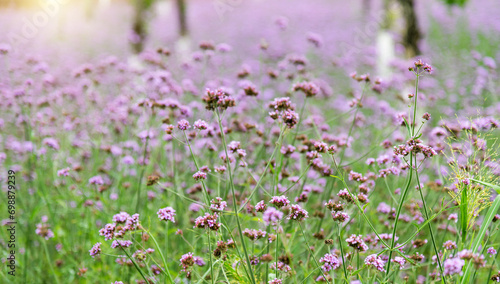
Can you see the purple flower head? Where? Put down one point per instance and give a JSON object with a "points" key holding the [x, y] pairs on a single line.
{"points": [[253, 234], [121, 243], [187, 261], [183, 125], [200, 176], [281, 267], [121, 217], [218, 99], [375, 261], [51, 142], [399, 260], [200, 124], [357, 243], [44, 231], [63, 172], [453, 217], [297, 213], [233, 146], [330, 262], [453, 266], [128, 160], [344, 194], [272, 216], [308, 88], [491, 251], [340, 216], [279, 201], [95, 250], [97, 180], [220, 169], [218, 204], [450, 245], [383, 208], [208, 222], [167, 214], [195, 207], [4, 48], [290, 118], [315, 39], [260, 206]]}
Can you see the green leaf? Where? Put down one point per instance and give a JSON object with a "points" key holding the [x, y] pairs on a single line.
{"points": [[488, 218], [364, 206], [493, 186], [337, 177], [407, 126]]}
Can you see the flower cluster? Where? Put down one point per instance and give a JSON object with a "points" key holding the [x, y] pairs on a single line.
{"points": [[260, 206], [310, 89], [218, 204], [253, 234], [357, 243], [95, 250], [453, 266], [375, 261], [416, 146], [279, 201], [218, 99], [272, 216], [208, 222], [167, 214], [188, 260], [297, 213], [123, 223], [330, 262]]}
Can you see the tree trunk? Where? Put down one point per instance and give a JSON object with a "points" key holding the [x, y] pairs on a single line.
{"points": [[139, 26], [412, 33], [386, 50], [366, 7], [181, 14]]}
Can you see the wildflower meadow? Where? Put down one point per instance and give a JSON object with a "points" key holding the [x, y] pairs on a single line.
{"points": [[256, 142]]}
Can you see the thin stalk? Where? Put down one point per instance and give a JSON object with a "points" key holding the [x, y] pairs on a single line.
{"points": [[205, 191], [135, 264], [398, 212], [429, 224], [463, 215], [312, 254], [161, 254], [235, 206], [353, 122], [141, 176], [276, 251], [415, 107], [50, 261], [211, 261], [342, 252], [405, 192]]}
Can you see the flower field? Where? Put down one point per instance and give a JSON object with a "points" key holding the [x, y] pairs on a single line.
{"points": [[288, 142]]}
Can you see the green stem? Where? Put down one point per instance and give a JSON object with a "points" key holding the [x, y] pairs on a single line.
{"points": [[133, 261], [276, 251], [205, 191], [211, 261], [50, 261], [235, 206], [429, 223], [353, 122], [312, 254], [398, 212], [342, 252], [161, 254]]}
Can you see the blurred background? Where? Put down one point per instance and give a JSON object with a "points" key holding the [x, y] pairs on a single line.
{"points": [[77, 31]]}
